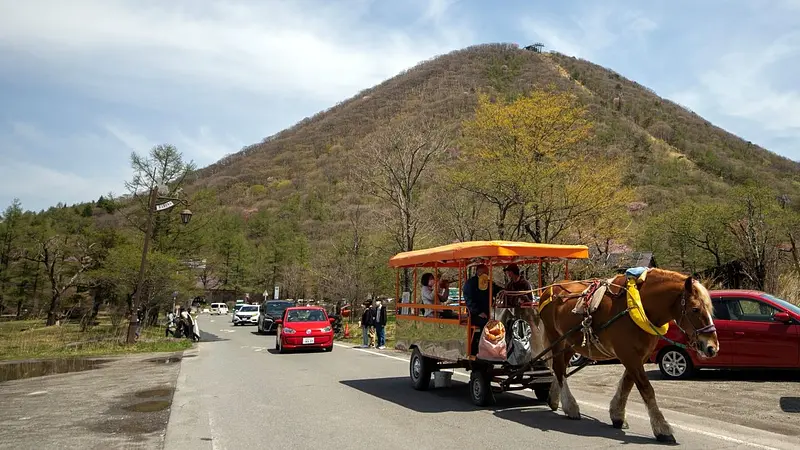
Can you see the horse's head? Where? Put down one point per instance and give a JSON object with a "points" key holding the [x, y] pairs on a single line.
{"points": [[695, 318]]}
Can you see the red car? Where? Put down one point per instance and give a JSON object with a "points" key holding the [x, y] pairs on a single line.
{"points": [[755, 330], [304, 327]]}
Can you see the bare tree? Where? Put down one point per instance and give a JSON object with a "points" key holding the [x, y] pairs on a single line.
{"points": [[65, 259], [395, 164]]}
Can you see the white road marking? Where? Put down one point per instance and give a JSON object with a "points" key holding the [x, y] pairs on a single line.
{"points": [[603, 408], [37, 393]]}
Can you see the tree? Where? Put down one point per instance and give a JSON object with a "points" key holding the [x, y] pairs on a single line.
{"points": [[10, 231], [394, 164], [530, 159], [756, 229], [64, 258]]}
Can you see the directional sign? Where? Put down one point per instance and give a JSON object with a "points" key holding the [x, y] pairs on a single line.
{"points": [[164, 206]]}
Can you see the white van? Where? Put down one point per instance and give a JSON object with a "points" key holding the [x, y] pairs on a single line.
{"points": [[219, 308]]}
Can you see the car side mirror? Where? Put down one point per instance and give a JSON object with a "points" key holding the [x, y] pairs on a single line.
{"points": [[278, 321], [783, 317], [332, 320]]}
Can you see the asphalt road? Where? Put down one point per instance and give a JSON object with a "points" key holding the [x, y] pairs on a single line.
{"points": [[238, 394]]}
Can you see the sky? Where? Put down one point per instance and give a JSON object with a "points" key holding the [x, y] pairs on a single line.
{"points": [[83, 83]]}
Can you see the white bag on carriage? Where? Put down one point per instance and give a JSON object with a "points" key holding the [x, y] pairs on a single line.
{"points": [[519, 342], [492, 345]]}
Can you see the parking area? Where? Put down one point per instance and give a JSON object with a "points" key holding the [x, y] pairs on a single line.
{"points": [[766, 400]]}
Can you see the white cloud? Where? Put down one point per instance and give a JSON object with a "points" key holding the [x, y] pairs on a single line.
{"points": [[93, 164], [261, 47], [591, 30], [741, 84], [189, 73]]}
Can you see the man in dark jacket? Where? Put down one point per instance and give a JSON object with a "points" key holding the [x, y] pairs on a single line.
{"points": [[380, 324], [477, 301], [367, 322]]}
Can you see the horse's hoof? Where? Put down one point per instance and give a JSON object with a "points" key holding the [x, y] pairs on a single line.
{"points": [[553, 407], [620, 424], [578, 417], [666, 438]]}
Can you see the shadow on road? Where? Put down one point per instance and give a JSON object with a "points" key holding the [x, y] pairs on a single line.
{"points": [[209, 337], [517, 408], [790, 404], [764, 376]]}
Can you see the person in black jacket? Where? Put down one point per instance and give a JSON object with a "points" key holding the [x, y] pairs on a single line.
{"points": [[380, 324], [367, 322]]}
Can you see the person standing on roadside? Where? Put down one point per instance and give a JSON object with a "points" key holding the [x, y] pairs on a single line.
{"points": [[367, 322], [170, 324], [380, 324]]}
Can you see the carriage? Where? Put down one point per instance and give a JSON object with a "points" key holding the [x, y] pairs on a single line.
{"points": [[445, 337]]}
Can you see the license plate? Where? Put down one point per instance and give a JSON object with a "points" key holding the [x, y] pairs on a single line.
{"points": [[308, 340]]}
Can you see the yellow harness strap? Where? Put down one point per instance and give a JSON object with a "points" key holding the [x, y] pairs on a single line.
{"points": [[636, 310], [546, 302]]}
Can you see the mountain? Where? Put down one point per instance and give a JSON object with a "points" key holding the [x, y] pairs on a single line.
{"points": [[677, 153]]}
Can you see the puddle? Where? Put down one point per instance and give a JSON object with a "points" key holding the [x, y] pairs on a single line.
{"points": [[32, 369], [151, 406], [153, 393], [168, 360]]}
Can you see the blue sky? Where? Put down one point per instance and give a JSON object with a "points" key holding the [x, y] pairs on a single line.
{"points": [[85, 82]]}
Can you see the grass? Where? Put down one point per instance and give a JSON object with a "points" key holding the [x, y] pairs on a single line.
{"points": [[30, 339]]}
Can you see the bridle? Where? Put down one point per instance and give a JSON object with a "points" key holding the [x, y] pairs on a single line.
{"points": [[694, 342]]}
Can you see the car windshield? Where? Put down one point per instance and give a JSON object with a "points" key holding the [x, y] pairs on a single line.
{"points": [[784, 303], [306, 315], [248, 308], [277, 308]]}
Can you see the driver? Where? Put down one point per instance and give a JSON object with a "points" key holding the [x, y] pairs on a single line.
{"points": [[476, 295]]}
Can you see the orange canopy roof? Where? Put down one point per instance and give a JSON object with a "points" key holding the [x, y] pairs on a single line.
{"points": [[499, 252]]}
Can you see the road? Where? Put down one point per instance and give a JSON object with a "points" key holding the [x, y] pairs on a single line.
{"points": [[238, 394]]}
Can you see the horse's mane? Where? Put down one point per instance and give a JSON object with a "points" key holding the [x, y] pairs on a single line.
{"points": [[671, 275]]}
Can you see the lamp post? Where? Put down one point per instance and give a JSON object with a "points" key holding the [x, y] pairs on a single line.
{"points": [[152, 209]]}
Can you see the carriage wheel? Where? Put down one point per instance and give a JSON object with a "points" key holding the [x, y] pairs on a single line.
{"points": [[480, 388], [420, 371], [542, 393]]}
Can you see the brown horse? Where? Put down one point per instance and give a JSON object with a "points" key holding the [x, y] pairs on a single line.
{"points": [[666, 296]]}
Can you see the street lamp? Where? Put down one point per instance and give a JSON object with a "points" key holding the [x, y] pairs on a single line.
{"points": [[153, 208], [186, 216]]}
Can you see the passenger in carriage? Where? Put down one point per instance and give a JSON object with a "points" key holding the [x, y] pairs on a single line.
{"points": [[428, 294], [516, 283]]}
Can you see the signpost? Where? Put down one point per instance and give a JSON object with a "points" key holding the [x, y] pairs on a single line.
{"points": [[277, 293]]}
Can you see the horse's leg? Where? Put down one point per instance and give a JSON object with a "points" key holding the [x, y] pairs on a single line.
{"points": [[661, 428], [559, 388], [568, 403], [617, 408]]}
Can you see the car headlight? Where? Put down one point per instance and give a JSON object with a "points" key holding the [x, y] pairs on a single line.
{"points": [[326, 329], [288, 331]]}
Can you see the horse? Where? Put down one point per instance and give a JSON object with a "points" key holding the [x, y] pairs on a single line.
{"points": [[667, 297]]}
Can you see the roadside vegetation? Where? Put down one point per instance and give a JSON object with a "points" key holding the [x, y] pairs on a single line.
{"points": [[32, 339]]}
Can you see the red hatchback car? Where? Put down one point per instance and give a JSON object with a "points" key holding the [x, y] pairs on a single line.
{"points": [[755, 330], [304, 327]]}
